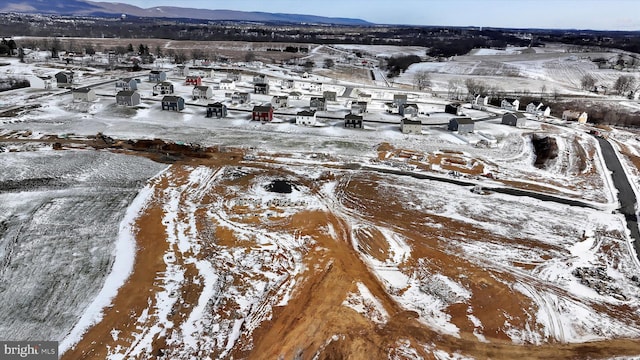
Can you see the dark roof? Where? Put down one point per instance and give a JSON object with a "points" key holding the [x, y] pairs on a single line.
{"points": [[156, 72], [463, 120], [164, 83], [82, 90], [295, 93], [318, 98], [454, 104], [171, 98], [306, 113], [410, 105], [126, 79], [359, 103], [262, 108], [399, 96], [536, 103], [202, 88], [193, 77], [411, 122], [126, 93], [519, 115], [226, 81], [216, 105], [511, 100], [261, 85], [351, 116], [285, 97]]}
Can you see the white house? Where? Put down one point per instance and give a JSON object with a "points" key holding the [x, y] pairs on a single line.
{"points": [[537, 108], [573, 115], [41, 82], [411, 126], [305, 117], [83, 94], [227, 84], [280, 101], [202, 92], [510, 104], [479, 101]]}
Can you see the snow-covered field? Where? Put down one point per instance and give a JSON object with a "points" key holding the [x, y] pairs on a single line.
{"points": [[59, 221], [64, 215]]}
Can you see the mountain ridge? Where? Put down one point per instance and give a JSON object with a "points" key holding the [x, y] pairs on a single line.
{"points": [[88, 8]]}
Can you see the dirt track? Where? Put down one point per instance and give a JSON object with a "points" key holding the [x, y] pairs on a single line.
{"points": [[314, 321]]}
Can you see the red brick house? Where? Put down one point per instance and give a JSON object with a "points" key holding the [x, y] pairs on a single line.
{"points": [[262, 113]]}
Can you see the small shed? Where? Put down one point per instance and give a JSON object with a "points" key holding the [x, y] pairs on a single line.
{"points": [[128, 98], [517, 119], [353, 121], [83, 94], [463, 125], [306, 117], [408, 126], [173, 103], [217, 110]]}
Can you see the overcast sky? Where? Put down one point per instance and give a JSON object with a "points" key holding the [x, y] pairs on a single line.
{"points": [[564, 14]]}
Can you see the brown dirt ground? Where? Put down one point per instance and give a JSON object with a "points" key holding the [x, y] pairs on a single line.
{"points": [[315, 313]]}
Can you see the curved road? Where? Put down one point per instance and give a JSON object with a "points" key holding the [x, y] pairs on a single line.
{"points": [[626, 195]]}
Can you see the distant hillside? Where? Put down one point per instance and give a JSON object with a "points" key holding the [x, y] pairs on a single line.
{"points": [[79, 7]]}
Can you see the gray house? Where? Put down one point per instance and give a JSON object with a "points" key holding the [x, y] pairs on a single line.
{"points": [[157, 76], [173, 103], [217, 110], [516, 119], [260, 79], [261, 89], [318, 104], [353, 121], [126, 84], [83, 94], [280, 101], [202, 92], [454, 109], [329, 95], [127, 98], [163, 88], [64, 79], [399, 99], [233, 75], [358, 107], [463, 125], [408, 110], [411, 126], [240, 97]]}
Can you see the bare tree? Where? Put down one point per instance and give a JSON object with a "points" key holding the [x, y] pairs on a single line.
{"points": [[422, 80], [475, 87], [249, 56], [454, 88], [587, 82], [328, 63], [624, 84]]}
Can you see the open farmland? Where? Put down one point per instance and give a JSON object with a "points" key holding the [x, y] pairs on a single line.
{"points": [[182, 236]]}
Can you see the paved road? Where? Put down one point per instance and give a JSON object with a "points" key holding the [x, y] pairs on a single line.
{"points": [[626, 196]]}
